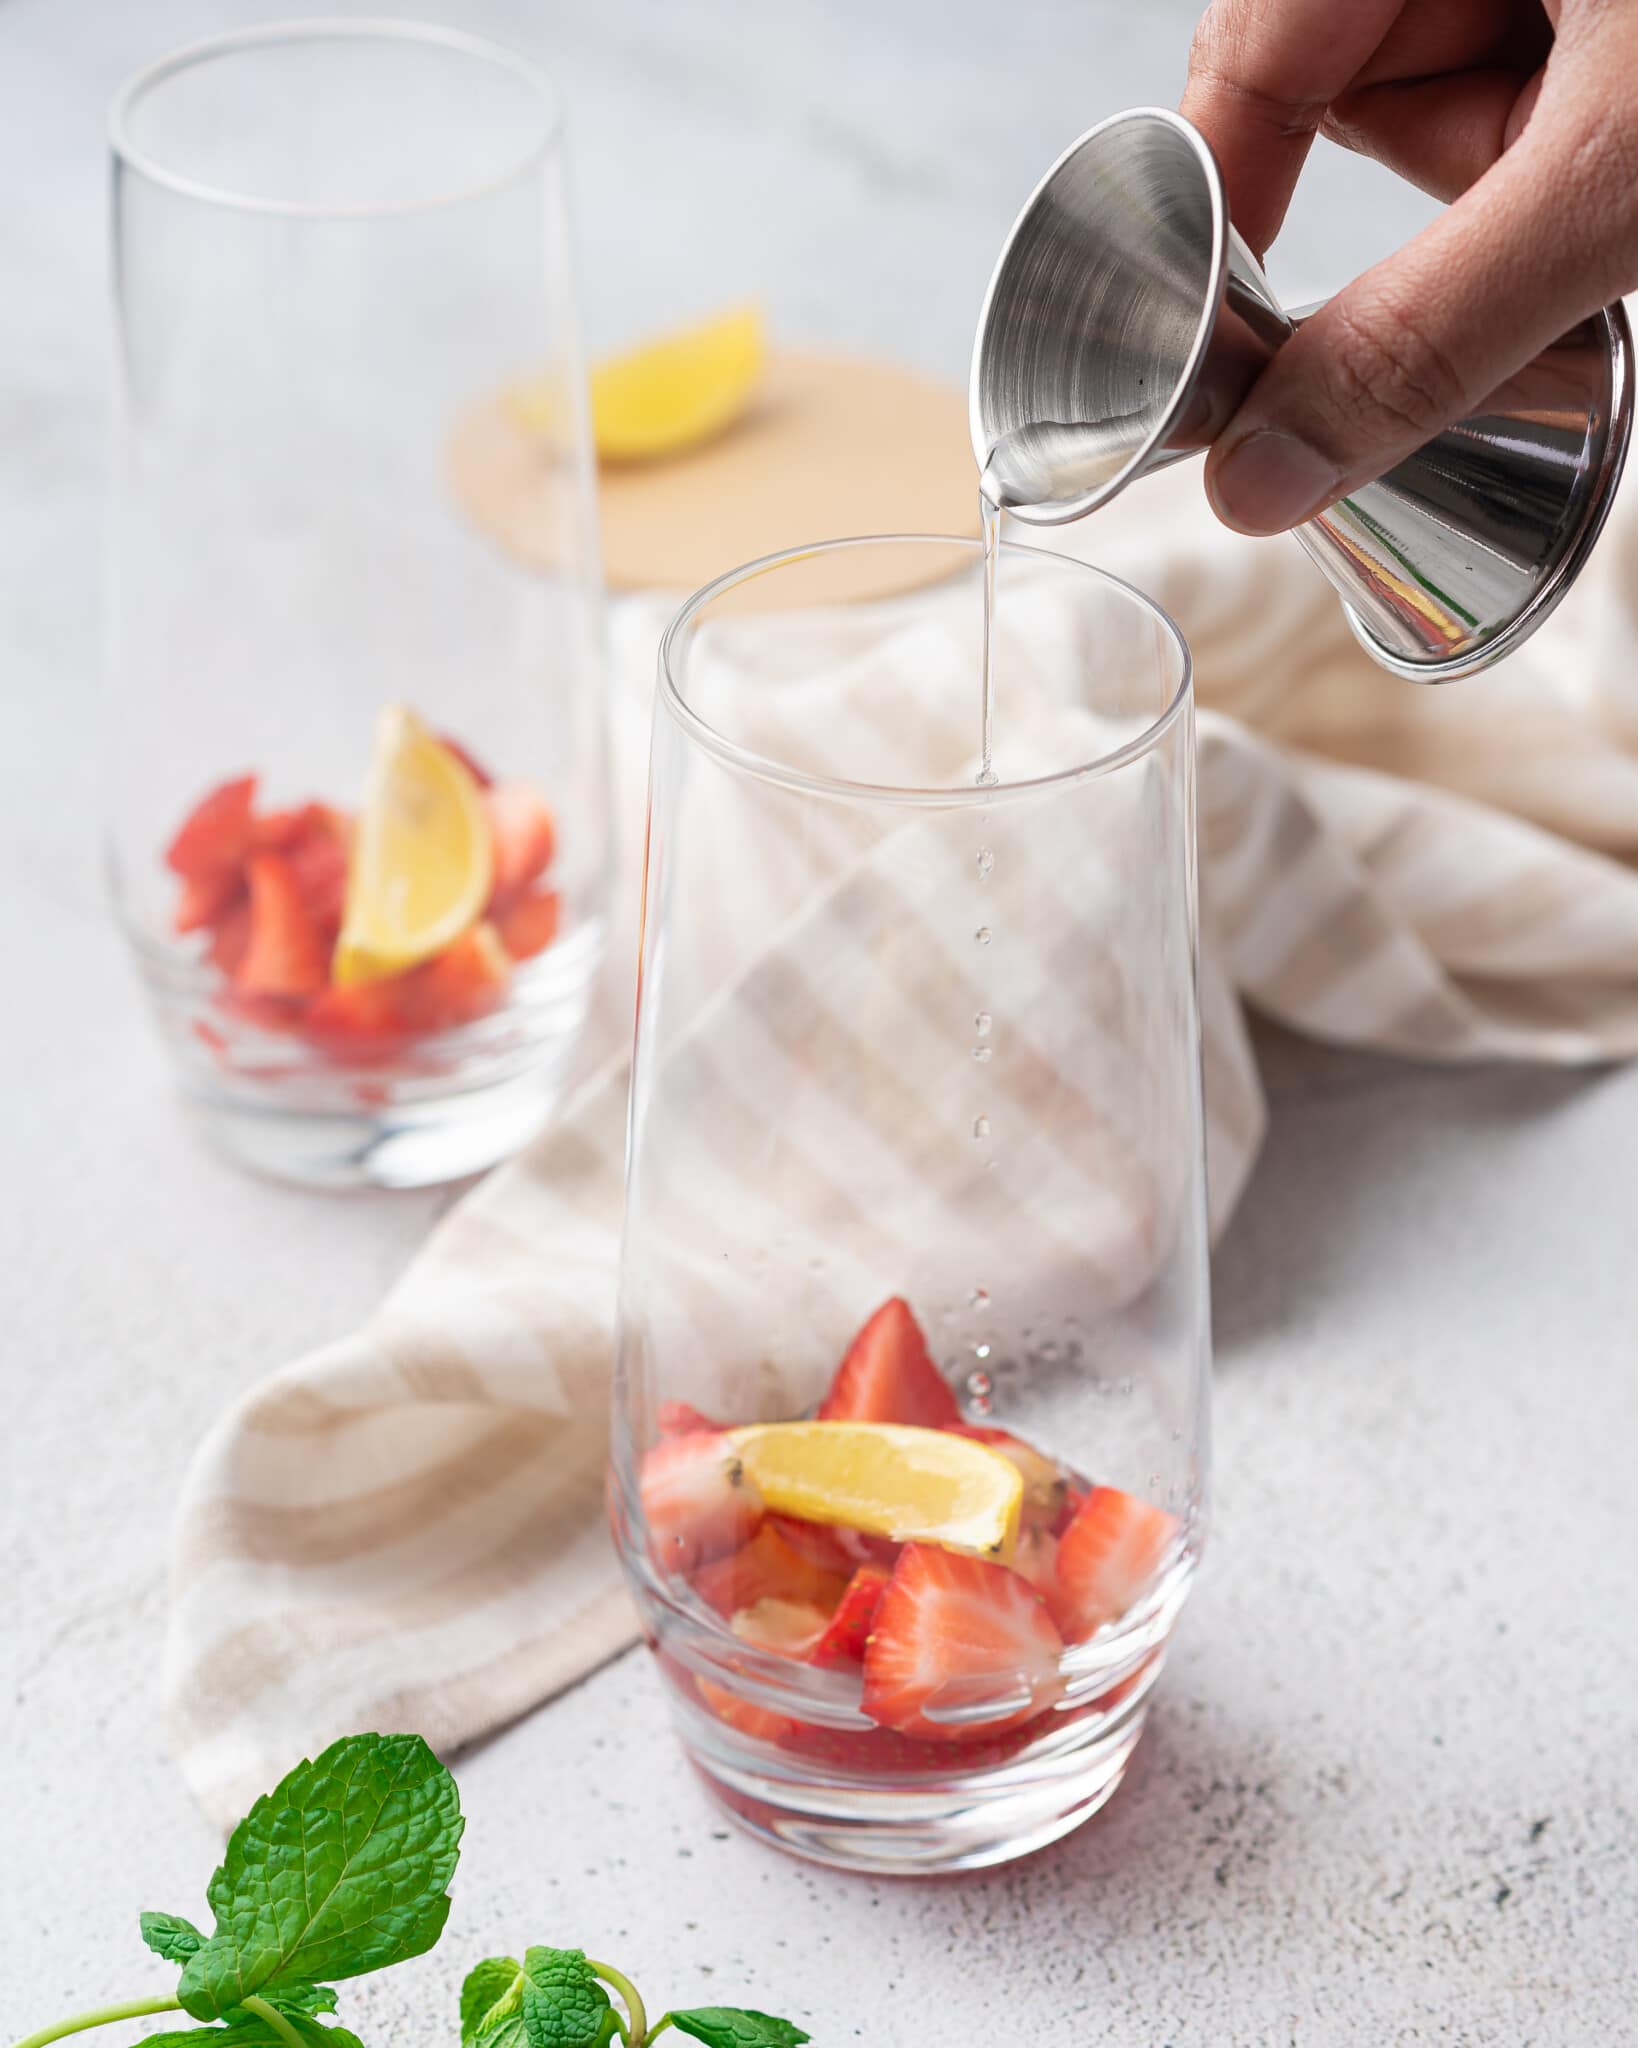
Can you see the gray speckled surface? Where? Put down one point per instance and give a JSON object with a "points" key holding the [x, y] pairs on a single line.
{"points": [[1388, 1795]]}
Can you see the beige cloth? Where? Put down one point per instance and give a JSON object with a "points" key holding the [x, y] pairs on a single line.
{"points": [[405, 1529]]}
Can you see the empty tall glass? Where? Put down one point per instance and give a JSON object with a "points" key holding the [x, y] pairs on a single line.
{"points": [[358, 811], [910, 1423]]}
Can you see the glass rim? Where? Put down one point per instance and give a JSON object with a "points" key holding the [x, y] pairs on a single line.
{"points": [[329, 28], [977, 795]]}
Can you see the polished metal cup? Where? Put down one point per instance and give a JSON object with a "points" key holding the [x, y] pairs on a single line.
{"points": [[1125, 321]]}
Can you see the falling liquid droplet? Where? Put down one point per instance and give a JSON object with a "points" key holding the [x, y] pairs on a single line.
{"points": [[979, 1298], [982, 935], [981, 1351], [981, 1127], [986, 861], [981, 1053], [982, 1023], [987, 778], [979, 1384]]}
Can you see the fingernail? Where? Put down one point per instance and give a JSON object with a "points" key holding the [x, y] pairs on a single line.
{"points": [[1270, 481]]}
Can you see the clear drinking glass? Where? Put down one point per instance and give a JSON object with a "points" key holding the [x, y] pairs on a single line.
{"points": [[338, 245], [917, 1061]]}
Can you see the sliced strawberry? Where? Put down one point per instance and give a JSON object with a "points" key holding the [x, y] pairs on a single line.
{"points": [[697, 1502], [768, 1568], [206, 899], [316, 839], [953, 1634], [837, 1549], [762, 1724], [286, 955], [529, 926], [215, 835], [676, 1418], [525, 838], [1045, 1485], [848, 1630], [367, 1013], [468, 760], [230, 938], [888, 1376], [464, 982], [1036, 1559], [790, 1628], [1108, 1555]]}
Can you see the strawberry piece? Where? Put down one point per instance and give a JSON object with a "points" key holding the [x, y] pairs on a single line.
{"points": [[837, 1549], [366, 1013], [848, 1630], [529, 926], [206, 899], [697, 1502], [230, 938], [468, 760], [464, 982], [286, 955], [768, 1568], [677, 1418], [525, 838], [762, 1724], [316, 839], [790, 1628], [1045, 1485], [1107, 1556], [888, 1376], [951, 1634], [215, 835]]}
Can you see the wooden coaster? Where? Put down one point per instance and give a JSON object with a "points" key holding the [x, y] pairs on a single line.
{"points": [[832, 446]]}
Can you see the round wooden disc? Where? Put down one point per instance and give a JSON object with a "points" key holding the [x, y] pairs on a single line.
{"points": [[832, 446]]}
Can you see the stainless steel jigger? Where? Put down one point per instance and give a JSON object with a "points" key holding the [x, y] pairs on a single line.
{"points": [[1125, 321]]}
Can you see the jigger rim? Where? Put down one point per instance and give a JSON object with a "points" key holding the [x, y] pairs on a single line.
{"points": [[1059, 512]]}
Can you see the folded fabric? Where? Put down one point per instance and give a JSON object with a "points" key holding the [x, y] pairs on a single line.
{"points": [[405, 1529]]}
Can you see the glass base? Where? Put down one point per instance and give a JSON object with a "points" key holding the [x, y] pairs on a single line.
{"points": [[409, 1145], [969, 1822]]}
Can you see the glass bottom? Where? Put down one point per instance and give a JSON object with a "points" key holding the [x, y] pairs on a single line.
{"points": [[972, 1821]]}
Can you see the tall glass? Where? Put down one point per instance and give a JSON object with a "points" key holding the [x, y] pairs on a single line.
{"points": [[916, 1141], [358, 817]]}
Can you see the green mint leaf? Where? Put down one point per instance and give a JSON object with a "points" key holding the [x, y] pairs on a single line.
{"points": [[492, 2003], [564, 2006], [170, 1936], [253, 2032], [341, 1869], [732, 2026]]}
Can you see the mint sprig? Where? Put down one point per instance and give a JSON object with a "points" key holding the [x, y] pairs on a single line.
{"points": [[555, 1998]]}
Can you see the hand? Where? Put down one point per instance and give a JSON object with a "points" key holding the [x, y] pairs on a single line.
{"points": [[1523, 112]]}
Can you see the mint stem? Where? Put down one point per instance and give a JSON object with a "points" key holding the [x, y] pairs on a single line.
{"points": [[104, 2015], [628, 1991], [276, 2020], [660, 2026]]}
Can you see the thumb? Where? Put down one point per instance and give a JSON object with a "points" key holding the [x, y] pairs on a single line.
{"points": [[1541, 241]]}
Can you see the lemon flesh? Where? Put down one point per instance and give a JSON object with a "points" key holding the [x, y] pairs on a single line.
{"points": [[423, 858], [679, 391], [886, 1479]]}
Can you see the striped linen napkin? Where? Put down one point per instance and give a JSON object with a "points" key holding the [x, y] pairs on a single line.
{"points": [[405, 1529]]}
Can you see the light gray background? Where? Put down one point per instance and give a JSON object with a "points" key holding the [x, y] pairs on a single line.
{"points": [[1388, 1795]]}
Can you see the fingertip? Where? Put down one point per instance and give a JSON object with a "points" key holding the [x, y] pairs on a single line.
{"points": [[1266, 481]]}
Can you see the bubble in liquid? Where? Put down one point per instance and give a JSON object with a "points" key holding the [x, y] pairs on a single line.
{"points": [[985, 863], [981, 1127], [981, 1351], [983, 935], [979, 1298], [981, 1053], [982, 1023], [979, 1385]]}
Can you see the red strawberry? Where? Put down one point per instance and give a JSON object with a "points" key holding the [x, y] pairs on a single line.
{"points": [[462, 983], [1044, 1483], [468, 760], [697, 1502], [762, 1724], [316, 839], [366, 1013], [767, 1568], [837, 1549], [215, 835], [230, 938], [951, 1633], [529, 926], [887, 1376], [525, 839], [676, 1418], [1107, 1556], [286, 955], [206, 899], [848, 1631]]}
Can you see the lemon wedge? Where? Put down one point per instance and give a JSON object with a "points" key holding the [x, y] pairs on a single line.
{"points": [[678, 391], [886, 1479], [422, 855]]}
